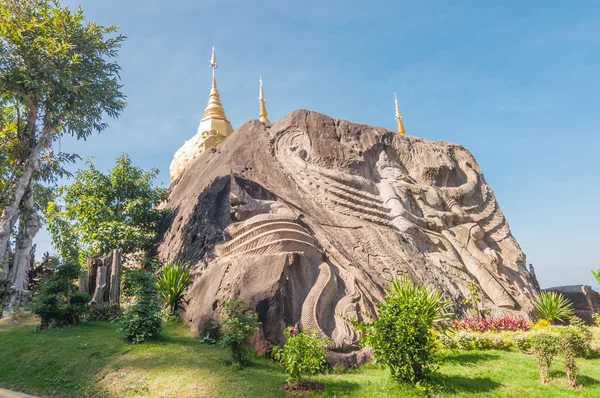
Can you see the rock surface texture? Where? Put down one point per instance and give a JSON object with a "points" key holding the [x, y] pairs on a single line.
{"points": [[311, 217], [586, 301]]}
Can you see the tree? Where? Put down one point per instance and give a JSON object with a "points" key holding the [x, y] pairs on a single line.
{"points": [[57, 78], [102, 212], [40, 191]]}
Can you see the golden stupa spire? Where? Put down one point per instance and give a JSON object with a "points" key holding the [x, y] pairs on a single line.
{"points": [[214, 109], [261, 101], [399, 117]]}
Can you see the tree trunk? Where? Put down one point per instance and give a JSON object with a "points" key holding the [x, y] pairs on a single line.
{"points": [[84, 282], [10, 213], [115, 277], [100, 286], [29, 225]]}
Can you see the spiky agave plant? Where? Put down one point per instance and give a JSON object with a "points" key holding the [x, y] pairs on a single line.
{"points": [[552, 305], [172, 280], [430, 301]]}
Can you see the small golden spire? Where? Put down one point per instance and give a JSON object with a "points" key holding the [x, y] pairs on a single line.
{"points": [[399, 117], [261, 100], [214, 109]]}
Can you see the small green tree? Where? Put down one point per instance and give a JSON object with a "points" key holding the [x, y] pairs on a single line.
{"points": [[237, 324], [56, 302], [544, 347], [172, 280], [141, 321], [552, 306], [102, 212], [401, 336], [302, 354]]}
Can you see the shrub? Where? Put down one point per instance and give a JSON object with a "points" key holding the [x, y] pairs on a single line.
{"points": [[522, 342], [401, 335], [141, 321], [171, 283], [464, 340], [596, 320], [541, 323], [491, 323], [237, 324], [56, 302], [552, 305], [104, 312], [302, 354], [544, 347], [571, 344]]}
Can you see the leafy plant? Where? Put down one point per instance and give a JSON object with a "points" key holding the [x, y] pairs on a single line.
{"points": [[402, 334], [56, 302], [106, 211], [171, 283], [491, 323], [473, 299], [596, 275], [544, 347], [237, 324], [302, 354], [571, 344], [596, 318], [141, 321], [552, 306], [104, 312]]}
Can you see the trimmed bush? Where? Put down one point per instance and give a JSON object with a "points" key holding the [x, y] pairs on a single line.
{"points": [[302, 354]]}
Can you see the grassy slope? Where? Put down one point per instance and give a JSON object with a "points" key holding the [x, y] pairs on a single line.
{"points": [[93, 360]]}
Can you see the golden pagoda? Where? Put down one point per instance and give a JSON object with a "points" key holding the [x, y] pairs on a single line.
{"points": [[214, 115], [262, 113], [399, 117], [213, 129]]}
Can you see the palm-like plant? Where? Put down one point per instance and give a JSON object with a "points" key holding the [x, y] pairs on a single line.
{"points": [[430, 301], [171, 283], [553, 305]]}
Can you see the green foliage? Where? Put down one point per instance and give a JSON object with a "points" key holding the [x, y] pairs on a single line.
{"points": [[401, 335], [430, 302], [53, 60], [552, 306], [302, 354], [55, 302], [102, 212], [473, 299], [104, 312], [237, 324], [596, 320], [141, 321], [596, 275], [544, 347], [172, 280]]}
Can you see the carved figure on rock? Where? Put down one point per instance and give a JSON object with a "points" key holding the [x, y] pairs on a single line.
{"points": [[310, 217]]}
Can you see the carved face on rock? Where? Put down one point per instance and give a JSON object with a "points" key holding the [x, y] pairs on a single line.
{"points": [[390, 170]]}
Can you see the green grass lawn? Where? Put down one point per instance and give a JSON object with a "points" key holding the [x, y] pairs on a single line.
{"points": [[93, 360]]}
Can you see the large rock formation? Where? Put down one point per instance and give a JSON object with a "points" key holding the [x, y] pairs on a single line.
{"points": [[311, 217], [585, 300]]}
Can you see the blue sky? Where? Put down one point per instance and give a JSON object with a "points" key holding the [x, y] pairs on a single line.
{"points": [[515, 82]]}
